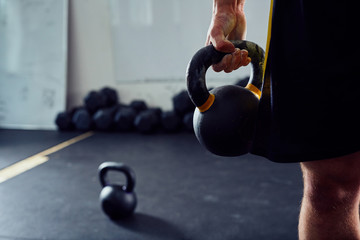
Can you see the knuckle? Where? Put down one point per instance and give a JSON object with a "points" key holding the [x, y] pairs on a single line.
{"points": [[216, 68]]}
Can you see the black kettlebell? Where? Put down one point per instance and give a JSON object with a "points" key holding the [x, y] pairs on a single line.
{"points": [[117, 201], [224, 120]]}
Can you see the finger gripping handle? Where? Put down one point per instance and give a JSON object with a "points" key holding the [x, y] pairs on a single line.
{"points": [[113, 166], [207, 56]]}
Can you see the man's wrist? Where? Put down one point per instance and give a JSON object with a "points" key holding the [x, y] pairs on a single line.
{"points": [[225, 6], [229, 6]]}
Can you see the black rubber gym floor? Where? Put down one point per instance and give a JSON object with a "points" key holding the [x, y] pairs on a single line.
{"points": [[183, 191]]}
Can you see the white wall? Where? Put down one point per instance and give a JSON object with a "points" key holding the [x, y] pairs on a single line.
{"points": [[33, 39], [96, 36]]}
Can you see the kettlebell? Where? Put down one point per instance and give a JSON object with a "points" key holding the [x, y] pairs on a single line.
{"points": [[117, 201], [224, 118]]}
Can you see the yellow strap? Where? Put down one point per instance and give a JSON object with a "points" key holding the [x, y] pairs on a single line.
{"points": [[269, 34], [254, 90], [209, 102]]}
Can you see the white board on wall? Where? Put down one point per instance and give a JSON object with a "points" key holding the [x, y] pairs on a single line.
{"points": [[154, 39], [33, 60]]}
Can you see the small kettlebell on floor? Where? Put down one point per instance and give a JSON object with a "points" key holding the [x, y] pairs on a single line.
{"points": [[117, 201], [224, 120]]}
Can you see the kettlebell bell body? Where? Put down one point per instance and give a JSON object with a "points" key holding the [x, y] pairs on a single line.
{"points": [[234, 137], [224, 120], [117, 201]]}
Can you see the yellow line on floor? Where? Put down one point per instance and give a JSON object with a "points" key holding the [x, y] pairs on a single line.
{"points": [[37, 159]]}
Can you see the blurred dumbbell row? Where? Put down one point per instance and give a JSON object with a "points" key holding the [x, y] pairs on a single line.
{"points": [[102, 110]]}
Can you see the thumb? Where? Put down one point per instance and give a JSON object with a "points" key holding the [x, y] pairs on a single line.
{"points": [[217, 37], [222, 44]]}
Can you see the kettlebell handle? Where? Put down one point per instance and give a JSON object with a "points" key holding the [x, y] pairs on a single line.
{"points": [[120, 167], [207, 56]]}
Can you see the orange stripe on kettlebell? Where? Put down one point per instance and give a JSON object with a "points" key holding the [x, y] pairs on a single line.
{"points": [[254, 90], [209, 102]]}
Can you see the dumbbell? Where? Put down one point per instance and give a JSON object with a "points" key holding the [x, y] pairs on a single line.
{"points": [[139, 105], [225, 118], [103, 118], [158, 111], [117, 201], [124, 118], [82, 119], [148, 121], [182, 103], [188, 121], [170, 121], [111, 96], [93, 101], [96, 100], [63, 120]]}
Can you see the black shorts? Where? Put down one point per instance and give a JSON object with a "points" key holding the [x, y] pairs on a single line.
{"points": [[310, 105]]}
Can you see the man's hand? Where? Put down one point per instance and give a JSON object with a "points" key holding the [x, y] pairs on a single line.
{"points": [[228, 23]]}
